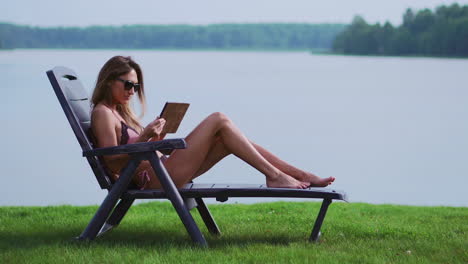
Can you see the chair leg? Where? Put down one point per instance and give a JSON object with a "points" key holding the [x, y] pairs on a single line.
{"points": [[176, 200], [109, 202], [119, 212], [117, 215], [314, 237], [190, 203], [207, 217]]}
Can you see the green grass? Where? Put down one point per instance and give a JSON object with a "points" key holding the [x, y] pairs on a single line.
{"points": [[266, 233]]}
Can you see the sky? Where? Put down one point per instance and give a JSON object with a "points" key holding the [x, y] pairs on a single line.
{"points": [[119, 12]]}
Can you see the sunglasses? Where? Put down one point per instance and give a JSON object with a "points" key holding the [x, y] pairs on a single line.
{"points": [[129, 85]]}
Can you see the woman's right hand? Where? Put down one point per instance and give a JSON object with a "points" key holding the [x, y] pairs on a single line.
{"points": [[154, 129]]}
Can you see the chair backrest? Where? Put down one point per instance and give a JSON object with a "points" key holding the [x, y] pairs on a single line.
{"points": [[76, 106]]}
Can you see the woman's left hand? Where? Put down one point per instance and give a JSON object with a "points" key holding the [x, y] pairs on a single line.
{"points": [[154, 130], [159, 126]]}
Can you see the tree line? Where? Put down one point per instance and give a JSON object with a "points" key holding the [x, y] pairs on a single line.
{"points": [[443, 32], [216, 36]]}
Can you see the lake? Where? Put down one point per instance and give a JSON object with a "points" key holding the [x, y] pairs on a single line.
{"points": [[391, 130]]}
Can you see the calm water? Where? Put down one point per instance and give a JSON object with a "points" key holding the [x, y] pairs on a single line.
{"points": [[391, 130]]}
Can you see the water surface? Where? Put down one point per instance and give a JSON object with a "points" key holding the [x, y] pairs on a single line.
{"points": [[391, 130]]}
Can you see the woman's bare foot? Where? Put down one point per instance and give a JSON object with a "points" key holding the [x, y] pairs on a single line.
{"points": [[283, 180], [314, 180]]}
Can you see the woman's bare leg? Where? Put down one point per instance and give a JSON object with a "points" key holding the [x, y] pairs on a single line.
{"points": [[293, 171], [218, 151], [184, 164]]}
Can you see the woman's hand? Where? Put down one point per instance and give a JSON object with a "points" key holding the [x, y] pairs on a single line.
{"points": [[154, 129]]}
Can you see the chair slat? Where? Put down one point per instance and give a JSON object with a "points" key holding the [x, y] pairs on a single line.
{"points": [[81, 110], [73, 89]]}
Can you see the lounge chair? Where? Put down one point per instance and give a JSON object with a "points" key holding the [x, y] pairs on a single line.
{"points": [[122, 193]]}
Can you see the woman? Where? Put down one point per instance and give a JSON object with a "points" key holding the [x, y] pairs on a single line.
{"points": [[114, 123]]}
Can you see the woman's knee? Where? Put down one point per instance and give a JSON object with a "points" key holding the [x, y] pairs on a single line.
{"points": [[219, 118]]}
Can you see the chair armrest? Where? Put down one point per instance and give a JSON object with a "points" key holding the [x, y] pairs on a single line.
{"points": [[176, 143]]}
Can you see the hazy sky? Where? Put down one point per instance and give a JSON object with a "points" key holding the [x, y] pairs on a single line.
{"points": [[118, 12]]}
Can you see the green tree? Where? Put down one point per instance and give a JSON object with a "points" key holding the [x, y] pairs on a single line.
{"points": [[440, 33], [222, 36]]}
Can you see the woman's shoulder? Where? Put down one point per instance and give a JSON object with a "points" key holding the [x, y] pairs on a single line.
{"points": [[101, 109], [101, 112]]}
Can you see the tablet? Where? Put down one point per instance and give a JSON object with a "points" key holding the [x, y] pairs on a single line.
{"points": [[173, 113]]}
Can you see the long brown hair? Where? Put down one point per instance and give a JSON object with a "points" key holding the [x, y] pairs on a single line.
{"points": [[112, 69]]}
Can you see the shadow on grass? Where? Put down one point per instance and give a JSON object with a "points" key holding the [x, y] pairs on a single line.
{"points": [[161, 236], [147, 238], [141, 239]]}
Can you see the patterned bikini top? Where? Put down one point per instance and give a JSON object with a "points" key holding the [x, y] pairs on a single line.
{"points": [[129, 134]]}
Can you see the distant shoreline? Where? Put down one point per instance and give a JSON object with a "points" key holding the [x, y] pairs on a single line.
{"points": [[322, 52]]}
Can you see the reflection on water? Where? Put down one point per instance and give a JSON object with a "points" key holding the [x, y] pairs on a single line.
{"points": [[391, 130]]}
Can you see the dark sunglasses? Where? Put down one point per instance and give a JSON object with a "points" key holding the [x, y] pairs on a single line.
{"points": [[129, 85]]}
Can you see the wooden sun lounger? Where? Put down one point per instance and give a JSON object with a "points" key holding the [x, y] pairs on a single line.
{"points": [[122, 193]]}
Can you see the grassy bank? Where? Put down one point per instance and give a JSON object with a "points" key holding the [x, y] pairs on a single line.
{"points": [[269, 232]]}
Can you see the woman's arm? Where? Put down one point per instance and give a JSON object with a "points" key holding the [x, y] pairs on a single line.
{"points": [[104, 126]]}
